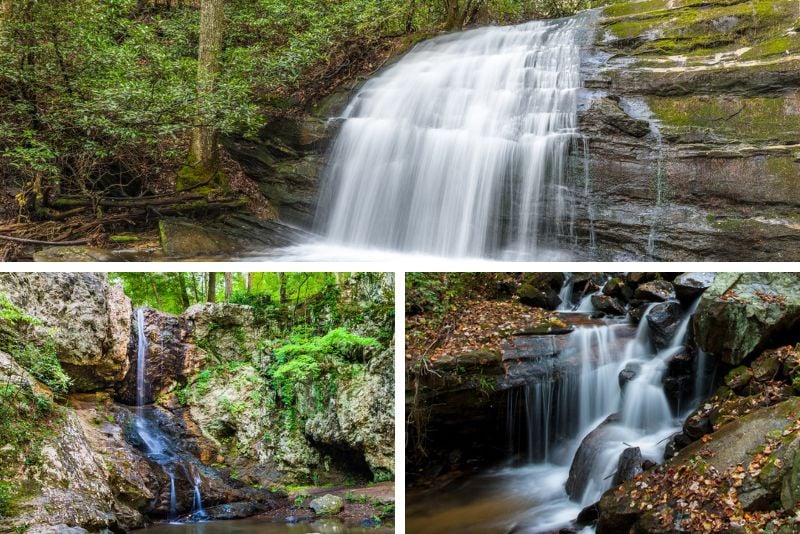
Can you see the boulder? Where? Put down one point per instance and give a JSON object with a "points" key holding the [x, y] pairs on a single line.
{"points": [[589, 453], [614, 288], [541, 290], [655, 291], [629, 465], [664, 319], [742, 313], [735, 444], [87, 320], [689, 286], [607, 304], [327, 505]]}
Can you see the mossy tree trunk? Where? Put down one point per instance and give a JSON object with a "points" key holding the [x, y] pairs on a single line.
{"points": [[459, 12], [203, 166]]}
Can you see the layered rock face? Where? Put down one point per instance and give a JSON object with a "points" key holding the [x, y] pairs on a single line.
{"points": [[692, 115]]}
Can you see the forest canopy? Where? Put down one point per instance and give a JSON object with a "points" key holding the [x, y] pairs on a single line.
{"points": [[107, 107]]}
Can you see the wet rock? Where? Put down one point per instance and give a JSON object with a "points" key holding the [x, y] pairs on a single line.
{"points": [[616, 120], [614, 288], [74, 253], [541, 290], [664, 319], [630, 372], [742, 313], [327, 505], [689, 286], [655, 291], [587, 515], [635, 279], [87, 319], [236, 510], [737, 379], [609, 305], [677, 442], [231, 236], [589, 452], [696, 427], [637, 310], [629, 465]]}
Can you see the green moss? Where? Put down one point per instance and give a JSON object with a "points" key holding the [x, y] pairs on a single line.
{"points": [[699, 27], [7, 491], [750, 119], [634, 8]]}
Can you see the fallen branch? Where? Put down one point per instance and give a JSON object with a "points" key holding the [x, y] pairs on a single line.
{"points": [[40, 242]]}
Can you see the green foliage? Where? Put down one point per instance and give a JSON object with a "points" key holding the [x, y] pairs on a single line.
{"points": [[318, 359], [300, 499], [6, 495], [13, 315], [42, 362]]}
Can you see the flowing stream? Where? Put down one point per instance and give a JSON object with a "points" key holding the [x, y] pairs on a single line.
{"points": [[156, 443], [461, 148], [567, 427]]}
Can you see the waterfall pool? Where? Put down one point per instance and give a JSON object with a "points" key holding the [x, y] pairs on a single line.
{"points": [[252, 526]]}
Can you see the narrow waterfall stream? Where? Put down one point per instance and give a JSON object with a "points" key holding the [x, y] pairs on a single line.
{"points": [[461, 148], [156, 443], [570, 418]]}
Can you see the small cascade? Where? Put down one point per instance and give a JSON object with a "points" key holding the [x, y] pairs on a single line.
{"points": [[157, 444], [566, 293], [577, 414]]}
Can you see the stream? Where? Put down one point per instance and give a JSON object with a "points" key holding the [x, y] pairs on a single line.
{"points": [[253, 526], [570, 417]]}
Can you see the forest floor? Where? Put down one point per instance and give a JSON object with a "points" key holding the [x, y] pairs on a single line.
{"points": [[470, 324]]}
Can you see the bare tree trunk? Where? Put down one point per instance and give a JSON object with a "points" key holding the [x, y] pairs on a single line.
{"points": [[204, 160], [212, 287], [228, 286], [248, 282]]}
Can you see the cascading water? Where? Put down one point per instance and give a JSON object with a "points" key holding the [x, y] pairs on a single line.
{"points": [[461, 148], [156, 443], [559, 415]]}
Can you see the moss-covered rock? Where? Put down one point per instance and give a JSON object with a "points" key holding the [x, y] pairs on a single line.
{"points": [[744, 312]]}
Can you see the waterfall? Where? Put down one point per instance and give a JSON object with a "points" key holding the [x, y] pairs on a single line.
{"points": [[156, 443], [577, 399], [461, 148]]}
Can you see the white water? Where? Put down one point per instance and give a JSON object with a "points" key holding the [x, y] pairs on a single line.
{"points": [[563, 407], [460, 149], [155, 442]]}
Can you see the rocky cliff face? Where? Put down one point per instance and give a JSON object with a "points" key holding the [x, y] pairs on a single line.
{"points": [[89, 321], [691, 114]]}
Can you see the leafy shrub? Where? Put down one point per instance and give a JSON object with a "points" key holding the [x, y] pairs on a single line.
{"points": [[42, 362], [6, 494]]}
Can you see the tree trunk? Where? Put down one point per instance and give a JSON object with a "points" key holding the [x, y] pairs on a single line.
{"points": [[228, 286], [282, 288], [203, 166], [212, 287], [184, 292], [248, 282]]}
